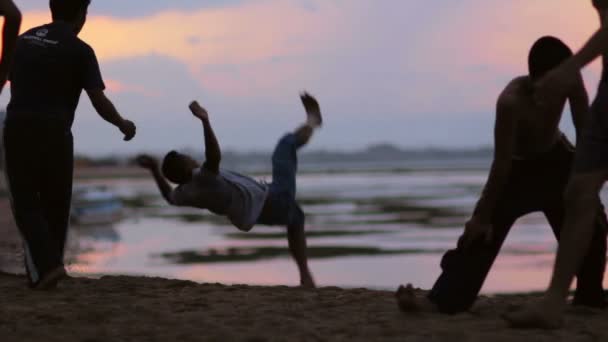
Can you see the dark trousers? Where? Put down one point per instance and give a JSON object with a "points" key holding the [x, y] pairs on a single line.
{"points": [[282, 207], [533, 185], [39, 169]]}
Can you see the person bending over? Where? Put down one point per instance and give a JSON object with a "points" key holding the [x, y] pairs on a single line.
{"points": [[531, 167], [244, 201]]}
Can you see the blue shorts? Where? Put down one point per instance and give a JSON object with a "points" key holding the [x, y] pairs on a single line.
{"points": [[592, 146], [282, 191]]}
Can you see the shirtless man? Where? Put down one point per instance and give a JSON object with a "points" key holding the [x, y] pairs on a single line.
{"points": [[244, 201], [582, 194], [10, 31], [532, 161]]}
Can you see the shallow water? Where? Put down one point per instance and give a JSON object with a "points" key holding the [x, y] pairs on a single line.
{"points": [[366, 229]]}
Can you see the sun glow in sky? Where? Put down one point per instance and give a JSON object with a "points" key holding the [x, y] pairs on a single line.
{"points": [[414, 73]]}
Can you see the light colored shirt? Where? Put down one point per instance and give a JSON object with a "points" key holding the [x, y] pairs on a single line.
{"points": [[238, 197]]}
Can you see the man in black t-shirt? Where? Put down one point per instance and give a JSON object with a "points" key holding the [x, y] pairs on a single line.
{"points": [[51, 68]]}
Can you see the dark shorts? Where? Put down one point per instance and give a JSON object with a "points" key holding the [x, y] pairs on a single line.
{"points": [[282, 191], [592, 146]]}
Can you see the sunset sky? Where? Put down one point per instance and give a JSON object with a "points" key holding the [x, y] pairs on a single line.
{"points": [[414, 73]]}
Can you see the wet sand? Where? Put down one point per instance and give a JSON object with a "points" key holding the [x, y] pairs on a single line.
{"points": [[154, 309]]}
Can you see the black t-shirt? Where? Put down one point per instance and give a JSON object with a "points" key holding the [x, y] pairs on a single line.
{"points": [[51, 68]]}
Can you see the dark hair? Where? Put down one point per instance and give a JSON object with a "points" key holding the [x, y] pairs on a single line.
{"points": [[546, 54], [68, 10], [176, 169]]}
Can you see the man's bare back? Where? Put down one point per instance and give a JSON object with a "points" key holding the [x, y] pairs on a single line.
{"points": [[524, 131], [536, 127]]}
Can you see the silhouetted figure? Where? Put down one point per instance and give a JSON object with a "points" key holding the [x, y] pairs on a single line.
{"points": [[244, 201], [10, 31], [51, 68], [531, 167], [590, 174]]}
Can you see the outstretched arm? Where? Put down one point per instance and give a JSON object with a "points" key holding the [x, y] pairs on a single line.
{"points": [[150, 163], [105, 108], [597, 44], [12, 23], [560, 80], [213, 154], [579, 106]]}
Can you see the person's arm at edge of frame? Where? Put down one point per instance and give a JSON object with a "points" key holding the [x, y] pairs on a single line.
{"points": [[560, 79], [213, 154], [595, 46], [10, 32], [579, 106]]}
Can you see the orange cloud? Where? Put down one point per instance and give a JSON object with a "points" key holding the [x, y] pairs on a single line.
{"points": [[121, 87], [211, 36]]}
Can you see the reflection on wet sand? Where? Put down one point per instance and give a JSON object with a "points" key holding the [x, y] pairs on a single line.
{"points": [[235, 254]]}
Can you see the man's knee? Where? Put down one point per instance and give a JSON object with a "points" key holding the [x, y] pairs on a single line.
{"points": [[297, 217], [285, 148]]}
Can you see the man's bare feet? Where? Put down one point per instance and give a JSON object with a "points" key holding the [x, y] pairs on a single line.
{"points": [[409, 302], [313, 111], [538, 315], [50, 280]]}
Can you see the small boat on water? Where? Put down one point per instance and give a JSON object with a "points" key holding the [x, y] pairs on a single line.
{"points": [[95, 206]]}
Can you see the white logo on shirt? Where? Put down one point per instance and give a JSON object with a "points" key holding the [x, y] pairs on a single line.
{"points": [[42, 33]]}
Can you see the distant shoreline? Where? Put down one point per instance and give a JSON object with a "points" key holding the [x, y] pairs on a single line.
{"points": [[133, 172]]}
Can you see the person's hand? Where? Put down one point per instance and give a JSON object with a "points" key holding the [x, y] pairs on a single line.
{"points": [[198, 111], [555, 84], [146, 161], [475, 230], [128, 129]]}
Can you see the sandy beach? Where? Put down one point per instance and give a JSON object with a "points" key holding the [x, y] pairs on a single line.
{"points": [[154, 309], [147, 309]]}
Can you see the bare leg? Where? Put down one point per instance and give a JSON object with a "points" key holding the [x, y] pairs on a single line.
{"points": [[581, 212], [297, 246], [303, 135]]}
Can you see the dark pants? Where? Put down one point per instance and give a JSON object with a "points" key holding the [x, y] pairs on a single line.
{"points": [[281, 207], [39, 168], [533, 185]]}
